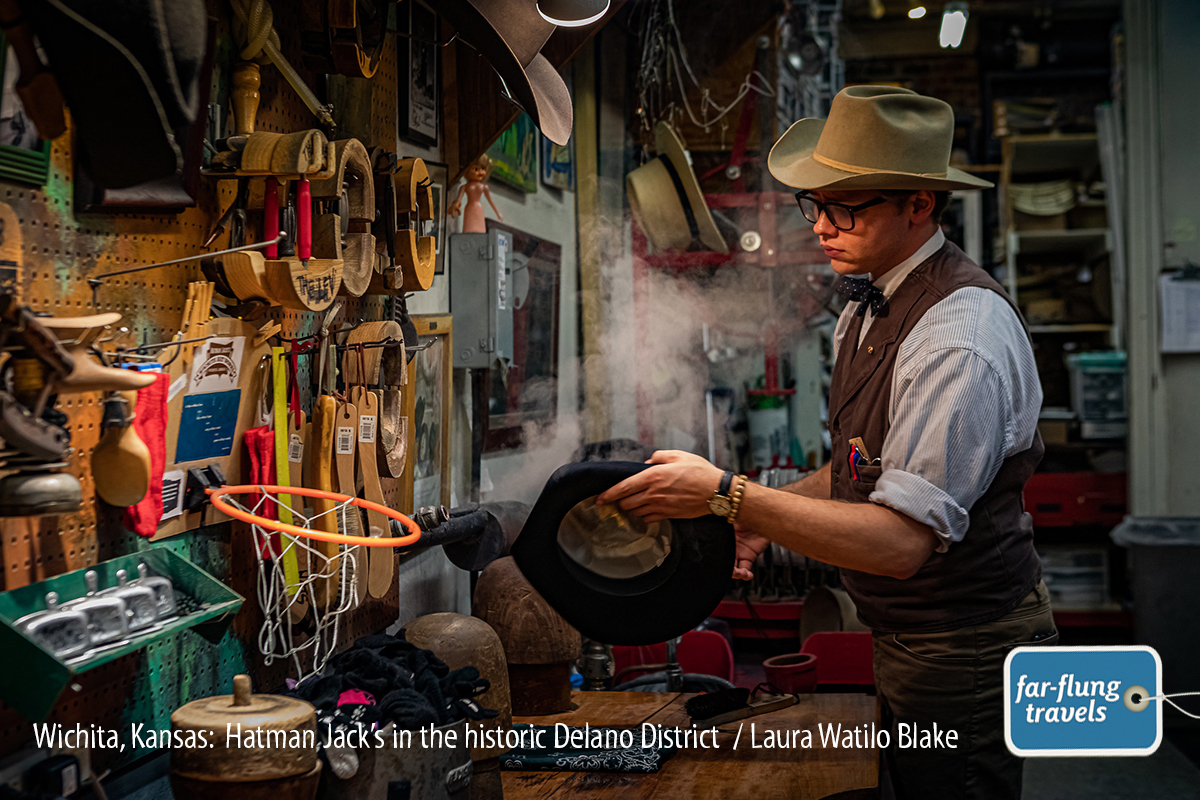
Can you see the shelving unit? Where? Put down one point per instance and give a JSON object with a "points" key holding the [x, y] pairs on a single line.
{"points": [[1041, 254]]}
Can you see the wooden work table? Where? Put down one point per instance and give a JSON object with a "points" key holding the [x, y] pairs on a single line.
{"points": [[725, 773]]}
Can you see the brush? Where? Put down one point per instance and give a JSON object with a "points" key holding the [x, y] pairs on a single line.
{"points": [[728, 705]]}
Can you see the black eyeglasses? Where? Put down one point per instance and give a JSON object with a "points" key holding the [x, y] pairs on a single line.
{"points": [[840, 215]]}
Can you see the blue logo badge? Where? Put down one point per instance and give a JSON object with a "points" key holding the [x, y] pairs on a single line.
{"points": [[1083, 701]]}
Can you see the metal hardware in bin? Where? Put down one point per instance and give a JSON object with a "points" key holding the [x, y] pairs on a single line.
{"points": [[1165, 562], [32, 678]]}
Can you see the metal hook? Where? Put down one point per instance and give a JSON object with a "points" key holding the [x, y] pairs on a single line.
{"points": [[96, 280]]}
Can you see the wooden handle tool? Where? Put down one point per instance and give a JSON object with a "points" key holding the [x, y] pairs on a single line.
{"points": [[381, 561], [345, 445], [320, 471]]}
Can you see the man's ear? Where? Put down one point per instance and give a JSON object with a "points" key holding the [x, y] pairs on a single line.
{"points": [[922, 206]]}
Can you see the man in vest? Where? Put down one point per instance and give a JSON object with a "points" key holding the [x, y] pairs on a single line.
{"points": [[933, 415]]}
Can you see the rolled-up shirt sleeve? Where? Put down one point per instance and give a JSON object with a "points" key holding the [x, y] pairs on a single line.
{"points": [[950, 431]]}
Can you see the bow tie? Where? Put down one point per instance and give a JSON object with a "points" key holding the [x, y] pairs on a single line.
{"points": [[865, 293]]}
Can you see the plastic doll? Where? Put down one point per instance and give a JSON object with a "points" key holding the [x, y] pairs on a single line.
{"points": [[474, 189]]}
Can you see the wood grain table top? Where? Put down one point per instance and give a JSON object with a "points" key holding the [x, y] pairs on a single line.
{"points": [[786, 770]]}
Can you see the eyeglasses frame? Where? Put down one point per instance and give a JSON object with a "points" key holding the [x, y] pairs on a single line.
{"points": [[805, 195]]}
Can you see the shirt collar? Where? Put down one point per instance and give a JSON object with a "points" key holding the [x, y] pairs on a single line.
{"points": [[889, 281]]}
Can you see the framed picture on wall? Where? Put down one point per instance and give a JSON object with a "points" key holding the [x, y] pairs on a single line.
{"points": [[428, 405], [524, 395], [439, 175], [417, 75], [558, 165], [514, 155]]}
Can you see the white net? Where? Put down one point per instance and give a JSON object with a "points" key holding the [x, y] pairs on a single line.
{"points": [[301, 617]]}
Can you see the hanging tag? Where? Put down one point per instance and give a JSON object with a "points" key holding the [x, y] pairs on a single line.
{"points": [[366, 428], [296, 449], [345, 441]]}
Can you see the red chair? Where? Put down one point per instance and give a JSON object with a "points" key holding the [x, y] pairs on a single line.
{"points": [[845, 660], [699, 652]]}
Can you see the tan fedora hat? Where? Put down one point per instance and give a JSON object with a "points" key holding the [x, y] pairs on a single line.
{"points": [[510, 34], [876, 137], [666, 198]]}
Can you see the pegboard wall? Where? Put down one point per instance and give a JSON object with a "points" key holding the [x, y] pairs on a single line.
{"points": [[61, 250]]}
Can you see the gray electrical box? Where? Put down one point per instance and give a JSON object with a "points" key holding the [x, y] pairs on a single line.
{"points": [[481, 298]]}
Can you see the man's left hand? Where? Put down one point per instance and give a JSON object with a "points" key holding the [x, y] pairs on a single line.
{"points": [[676, 487]]}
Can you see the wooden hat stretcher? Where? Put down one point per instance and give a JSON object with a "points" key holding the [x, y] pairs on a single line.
{"points": [[354, 179]]}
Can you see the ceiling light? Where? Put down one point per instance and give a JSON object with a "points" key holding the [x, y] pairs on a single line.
{"points": [[572, 13], [916, 13], [954, 25]]}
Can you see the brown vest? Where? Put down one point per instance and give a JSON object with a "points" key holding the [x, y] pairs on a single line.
{"points": [[987, 574]]}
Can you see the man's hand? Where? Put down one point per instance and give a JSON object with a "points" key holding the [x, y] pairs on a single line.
{"points": [[676, 487], [749, 547]]}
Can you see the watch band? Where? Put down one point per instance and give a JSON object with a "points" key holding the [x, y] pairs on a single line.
{"points": [[726, 482]]}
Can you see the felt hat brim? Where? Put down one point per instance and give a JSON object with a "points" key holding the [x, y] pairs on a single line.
{"points": [[536, 86], [791, 162], [658, 605], [656, 202]]}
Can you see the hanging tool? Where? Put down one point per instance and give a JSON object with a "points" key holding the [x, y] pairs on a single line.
{"points": [[320, 461], [381, 560], [291, 565], [253, 26], [121, 460], [345, 447]]}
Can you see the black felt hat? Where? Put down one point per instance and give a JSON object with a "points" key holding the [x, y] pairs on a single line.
{"points": [[676, 587], [130, 72]]}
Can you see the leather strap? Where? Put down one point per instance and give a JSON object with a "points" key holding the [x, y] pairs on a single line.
{"points": [[726, 482]]}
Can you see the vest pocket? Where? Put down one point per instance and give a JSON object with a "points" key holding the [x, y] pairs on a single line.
{"points": [[868, 474]]}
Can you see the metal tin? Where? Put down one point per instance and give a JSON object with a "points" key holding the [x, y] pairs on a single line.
{"points": [[107, 617], [63, 632], [143, 610], [164, 590]]}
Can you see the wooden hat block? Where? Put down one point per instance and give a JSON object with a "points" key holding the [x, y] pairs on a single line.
{"points": [[538, 643], [463, 641]]}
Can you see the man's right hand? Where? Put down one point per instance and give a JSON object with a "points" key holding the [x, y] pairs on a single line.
{"points": [[749, 547]]}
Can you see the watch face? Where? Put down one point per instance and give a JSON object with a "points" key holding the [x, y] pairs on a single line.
{"points": [[720, 506]]}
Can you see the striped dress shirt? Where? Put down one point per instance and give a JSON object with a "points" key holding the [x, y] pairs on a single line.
{"points": [[965, 395]]}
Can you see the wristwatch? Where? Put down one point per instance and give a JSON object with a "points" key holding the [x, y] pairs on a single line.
{"points": [[725, 503], [721, 503]]}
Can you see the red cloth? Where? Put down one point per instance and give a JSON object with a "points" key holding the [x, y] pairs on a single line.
{"points": [[260, 449], [150, 424], [356, 697]]}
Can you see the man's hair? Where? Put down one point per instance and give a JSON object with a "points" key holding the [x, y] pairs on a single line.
{"points": [[941, 199]]}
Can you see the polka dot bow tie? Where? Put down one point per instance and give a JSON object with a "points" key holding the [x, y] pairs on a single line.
{"points": [[865, 293]]}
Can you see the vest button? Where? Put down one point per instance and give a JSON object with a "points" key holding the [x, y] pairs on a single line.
{"points": [[870, 348]]}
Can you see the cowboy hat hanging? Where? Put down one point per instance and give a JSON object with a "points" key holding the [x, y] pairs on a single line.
{"points": [[510, 34], [666, 198], [611, 575], [876, 137]]}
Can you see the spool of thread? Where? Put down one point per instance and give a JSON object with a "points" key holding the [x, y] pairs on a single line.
{"points": [[271, 217], [304, 220]]}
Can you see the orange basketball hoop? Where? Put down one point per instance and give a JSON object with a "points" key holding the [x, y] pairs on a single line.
{"points": [[217, 496]]}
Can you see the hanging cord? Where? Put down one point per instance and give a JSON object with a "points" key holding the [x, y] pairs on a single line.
{"points": [[664, 53], [1166, 698], [253, 26]]}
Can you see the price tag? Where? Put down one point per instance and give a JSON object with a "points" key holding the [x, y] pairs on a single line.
{"points": [[295, 449], [366, 428], [345, 441]]}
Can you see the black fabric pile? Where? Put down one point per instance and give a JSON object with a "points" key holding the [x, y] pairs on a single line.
{"points": [[412, 687]]}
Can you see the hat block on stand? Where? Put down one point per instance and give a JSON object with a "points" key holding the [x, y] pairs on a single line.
{"points": [[539, 645], [463, 641]]}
